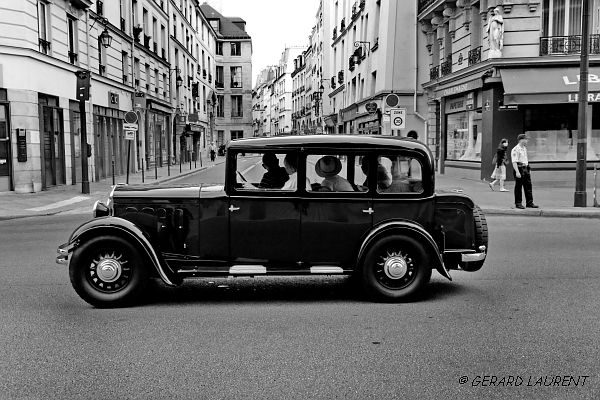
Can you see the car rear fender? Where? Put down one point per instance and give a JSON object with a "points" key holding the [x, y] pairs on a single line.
{"points": [[128, 231], [409, 229]]}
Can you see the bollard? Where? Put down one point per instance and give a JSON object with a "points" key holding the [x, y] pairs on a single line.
{"points": [[155, 168], [142, 170]]}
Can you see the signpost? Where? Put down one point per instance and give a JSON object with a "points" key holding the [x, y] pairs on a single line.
{"points": [[398, 118], [83, 94], [130, 126]]}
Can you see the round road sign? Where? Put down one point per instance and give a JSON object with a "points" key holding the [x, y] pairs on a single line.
{"points": [[131, 117]]}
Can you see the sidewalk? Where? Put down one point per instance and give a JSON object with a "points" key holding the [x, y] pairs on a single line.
{"points": [[554, 199], [68, 199]]}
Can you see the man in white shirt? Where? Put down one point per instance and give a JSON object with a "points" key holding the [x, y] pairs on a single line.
{"points": [[522, 173]]}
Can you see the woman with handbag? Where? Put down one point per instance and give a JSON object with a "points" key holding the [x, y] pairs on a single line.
{"points": [[500, 160]]}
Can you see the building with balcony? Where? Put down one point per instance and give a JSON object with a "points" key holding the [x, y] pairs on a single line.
{"points": [[233, 77], [374, 60], [42, 45], [261, 101], [281, 93], [522, 78], [299, 114]]}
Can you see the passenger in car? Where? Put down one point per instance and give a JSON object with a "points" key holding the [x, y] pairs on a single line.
{"points": [[276, 176], [384, 180], [290, 162], [329, 167], [400, 181]]}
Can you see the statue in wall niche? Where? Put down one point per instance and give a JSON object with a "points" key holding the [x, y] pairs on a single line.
{"points": [[495, 31]]}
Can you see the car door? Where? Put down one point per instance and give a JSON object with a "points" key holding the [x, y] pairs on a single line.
{"points": [[264, 222], [334, 222]]}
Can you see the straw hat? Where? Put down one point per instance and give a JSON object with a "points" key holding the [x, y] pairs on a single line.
{"points": [[328, 166]]}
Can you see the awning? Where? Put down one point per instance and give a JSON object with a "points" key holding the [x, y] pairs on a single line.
{"points": [[547, 85]]}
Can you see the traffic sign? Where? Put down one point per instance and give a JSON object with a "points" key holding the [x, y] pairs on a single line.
{"points": [[371, 107], [130, 127], [398, 118], [131, 117], [129, 135]]}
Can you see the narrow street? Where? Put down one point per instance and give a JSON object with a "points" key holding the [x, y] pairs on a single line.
{"points": [[529, 312]]}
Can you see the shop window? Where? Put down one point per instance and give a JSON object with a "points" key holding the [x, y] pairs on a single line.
{"points": [[552, 131], [463, 136]]}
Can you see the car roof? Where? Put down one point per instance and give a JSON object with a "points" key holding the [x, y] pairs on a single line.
{"points": [[334, 141]]}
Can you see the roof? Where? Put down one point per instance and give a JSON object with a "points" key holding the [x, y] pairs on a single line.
{"points": [[227, 27], [362, 142]]}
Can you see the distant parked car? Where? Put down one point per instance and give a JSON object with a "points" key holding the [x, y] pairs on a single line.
{"points": [[343, 204]]}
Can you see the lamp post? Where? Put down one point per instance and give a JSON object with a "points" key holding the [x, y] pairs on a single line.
{"points": [[580, 192], [178, 83]]}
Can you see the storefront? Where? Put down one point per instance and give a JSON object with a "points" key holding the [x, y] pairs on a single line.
{"points": [[158, 146], [547, 100], [464, 127], [110, 146]]}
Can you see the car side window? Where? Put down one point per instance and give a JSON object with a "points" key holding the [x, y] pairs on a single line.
{"points": [[398, 173], [335, 173], [265, 171]]}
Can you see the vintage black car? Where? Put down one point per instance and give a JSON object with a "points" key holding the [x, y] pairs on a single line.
{"points": [[355, 205]]}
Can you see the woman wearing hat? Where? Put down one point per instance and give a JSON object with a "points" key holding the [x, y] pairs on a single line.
{"points": [[328, 167]]}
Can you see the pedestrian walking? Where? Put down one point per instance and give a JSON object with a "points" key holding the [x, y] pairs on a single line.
{"points": [[213, 152], [522, 173], [500, 161]]}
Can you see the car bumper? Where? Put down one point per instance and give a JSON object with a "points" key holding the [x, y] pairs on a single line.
{"points": [[470, 257], [63, 251]]}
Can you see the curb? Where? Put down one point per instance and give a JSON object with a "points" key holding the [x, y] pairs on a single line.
{"points": [[558, 213]]}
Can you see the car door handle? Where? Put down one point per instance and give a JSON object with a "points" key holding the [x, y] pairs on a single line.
{"points": [[232, 208], [368, 211]]}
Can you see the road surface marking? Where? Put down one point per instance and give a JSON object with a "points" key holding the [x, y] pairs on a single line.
{"points": [[59, 204]]}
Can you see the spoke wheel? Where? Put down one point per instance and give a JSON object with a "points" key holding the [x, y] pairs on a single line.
{"points": [[395, 268], [107, 272]]}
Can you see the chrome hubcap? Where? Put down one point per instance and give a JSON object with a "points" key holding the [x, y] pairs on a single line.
{"points": [[395, 266], [109, 270]]}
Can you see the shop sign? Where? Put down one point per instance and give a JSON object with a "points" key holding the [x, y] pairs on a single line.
{"points": [[455, 105], [113, 99], [470, 101], [591, 97], [371, 107], [592, 78], [463, 87]]}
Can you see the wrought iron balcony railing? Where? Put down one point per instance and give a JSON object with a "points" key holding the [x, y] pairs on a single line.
{"points": [[434, 72], [475, 55], [563, 45], [446, 67]]}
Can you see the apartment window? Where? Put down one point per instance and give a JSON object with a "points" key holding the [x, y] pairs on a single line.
{"points": [[219, 49], [373, 82], [125, 62], [215, 24], [156, 80], [136, 72], [147, 76], [236, 49], [174, 26], [164, 84], [236, 77], [101, 58], [376, 22], [236, 106], [163, 42], [220, 106], [72, 39], [121, 14], [99, 7], [219, 80], [204, 98], [237, 135], [155, 34], [43, 24], [562, 17], [145, 21]]}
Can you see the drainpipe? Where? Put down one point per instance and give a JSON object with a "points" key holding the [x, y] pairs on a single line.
{"points": [[425, 125]]}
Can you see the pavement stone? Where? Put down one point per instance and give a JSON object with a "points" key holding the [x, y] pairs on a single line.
{"points": [[554, 198]]}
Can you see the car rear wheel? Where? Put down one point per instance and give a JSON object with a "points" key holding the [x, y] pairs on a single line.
{"points": [[107, 271], [481, 238], [395, 268]]}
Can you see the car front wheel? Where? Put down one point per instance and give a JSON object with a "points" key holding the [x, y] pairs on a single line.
{"points": [[107, 271], [395, 269]]}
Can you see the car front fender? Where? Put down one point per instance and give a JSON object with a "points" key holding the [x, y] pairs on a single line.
{"points": [[122, 228], [410, 229]]}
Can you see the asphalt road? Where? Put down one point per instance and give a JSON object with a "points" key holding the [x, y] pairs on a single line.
{"points": [[531, 312]]}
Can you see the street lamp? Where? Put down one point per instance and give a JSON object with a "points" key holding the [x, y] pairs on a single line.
{"points": [[105, 37], [359, 43]]}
